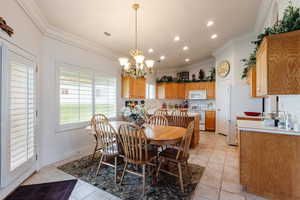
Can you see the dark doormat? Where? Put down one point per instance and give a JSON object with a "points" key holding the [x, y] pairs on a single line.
{"points": [[167, 187], [46, 191]]}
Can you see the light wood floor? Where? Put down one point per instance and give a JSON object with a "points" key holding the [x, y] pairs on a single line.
{"points": [[220, 180]]}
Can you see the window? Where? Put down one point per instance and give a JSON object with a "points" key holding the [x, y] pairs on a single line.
{"points": [[84, 93], [150, 91], [105, 96]]}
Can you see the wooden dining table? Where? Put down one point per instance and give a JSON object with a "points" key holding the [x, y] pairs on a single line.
{"points": [[158, 135]]}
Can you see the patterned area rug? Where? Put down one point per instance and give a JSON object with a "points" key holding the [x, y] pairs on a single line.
{"points": [[167, 187]]}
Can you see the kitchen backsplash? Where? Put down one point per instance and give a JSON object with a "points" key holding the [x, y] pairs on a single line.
{"points": [[291, 104], [154, 104]]}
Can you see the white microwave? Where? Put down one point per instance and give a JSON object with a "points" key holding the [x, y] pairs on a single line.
{"points": [[197, 94]]}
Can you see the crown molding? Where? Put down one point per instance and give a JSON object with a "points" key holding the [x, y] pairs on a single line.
{"points": [[35, 14]]}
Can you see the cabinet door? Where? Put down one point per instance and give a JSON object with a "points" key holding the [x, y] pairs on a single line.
{"points": [[210, 90], [210, 120], [181, 90], [168, 90], [139, 88], [262, 70], [125, 87]]}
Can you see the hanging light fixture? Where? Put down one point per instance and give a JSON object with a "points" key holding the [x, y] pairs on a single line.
{"points": [[137, 66]]}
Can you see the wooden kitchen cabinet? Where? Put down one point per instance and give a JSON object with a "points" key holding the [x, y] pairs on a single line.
{"points": [[133, 88], [270, 164], [208, 86], [277, 65], [170, 91], [252, 81], [181, 90], [211, 90], [210, 120]]}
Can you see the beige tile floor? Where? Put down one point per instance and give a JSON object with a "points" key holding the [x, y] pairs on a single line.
{"points": [[220, 180]]}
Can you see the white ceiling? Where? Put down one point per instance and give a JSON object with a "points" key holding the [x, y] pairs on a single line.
{"points": [[159, 22]]}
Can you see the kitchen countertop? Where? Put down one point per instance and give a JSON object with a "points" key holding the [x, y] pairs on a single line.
{"points": [[243, 115], [258, 126], [190, 114]]}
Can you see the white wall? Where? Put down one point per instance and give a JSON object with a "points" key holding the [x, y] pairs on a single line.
{"points": [[241, 101], [55, 145]]}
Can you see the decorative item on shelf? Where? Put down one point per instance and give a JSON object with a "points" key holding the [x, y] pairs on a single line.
{"points": [[290, 22], [193, 77], [5, 27], [135, 114], [183, 76], [223, 69], [136, 67], [201, 74], [212, 76]]}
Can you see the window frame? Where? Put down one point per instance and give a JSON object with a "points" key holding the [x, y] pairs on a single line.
{"points": [[77, 125], [148, 85]]}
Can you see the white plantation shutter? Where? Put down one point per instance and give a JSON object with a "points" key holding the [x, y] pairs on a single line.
{"points": [[106, 96], [21, 113], [84, 93], [76, 98]]}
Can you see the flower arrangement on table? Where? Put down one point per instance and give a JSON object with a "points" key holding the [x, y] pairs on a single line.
{"points": [[135, 114]]}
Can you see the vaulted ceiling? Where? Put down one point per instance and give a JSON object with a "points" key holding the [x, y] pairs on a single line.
{"points": [[159, 22]]}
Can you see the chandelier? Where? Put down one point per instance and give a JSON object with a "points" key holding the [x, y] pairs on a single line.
{"points": [[136, 66]]}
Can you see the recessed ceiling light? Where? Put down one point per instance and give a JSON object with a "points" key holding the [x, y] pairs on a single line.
{"points": [[162, 57], [187, 60], [107, 34], [210, 23], [176, 38], [150, 50], [214, 36], [185, 48]]}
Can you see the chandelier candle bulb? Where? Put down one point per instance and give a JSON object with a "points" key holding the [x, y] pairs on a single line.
{"points": [[150, 63]]}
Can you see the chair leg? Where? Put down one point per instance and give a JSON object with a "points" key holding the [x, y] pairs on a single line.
{"points": [[123, 173], [100, 162], [96, 147], [159, 166], [144, 179], [188, 168], [180, 177], [116, 164]]}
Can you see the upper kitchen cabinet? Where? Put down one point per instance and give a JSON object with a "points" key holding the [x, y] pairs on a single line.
{"points": [[278, 65], [133, 88], [211, 90], [209, 87], [252, 81], [170, 91]]}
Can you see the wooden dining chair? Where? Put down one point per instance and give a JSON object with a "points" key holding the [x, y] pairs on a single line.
{"points": [[178, 155], [158, 120], [135, 147], [179, 118], [107, 138], [96, 119]]}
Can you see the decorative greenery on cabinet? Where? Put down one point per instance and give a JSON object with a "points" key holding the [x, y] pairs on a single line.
{"points": [[290, 22]]}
